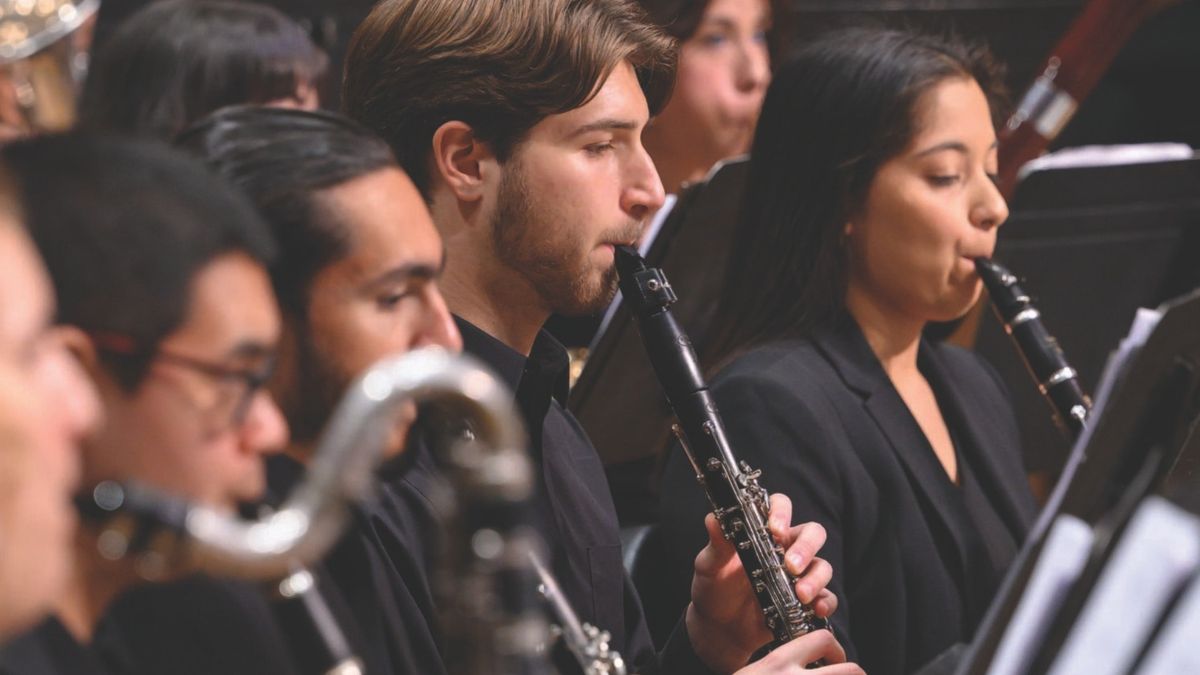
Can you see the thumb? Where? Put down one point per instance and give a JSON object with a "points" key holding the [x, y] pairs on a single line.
{"points": [[719, 552]]}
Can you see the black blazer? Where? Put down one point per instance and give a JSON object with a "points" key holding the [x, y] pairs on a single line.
{"points": [[824, 423]]}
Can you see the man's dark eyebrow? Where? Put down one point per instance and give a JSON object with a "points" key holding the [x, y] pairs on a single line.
{"points": [[403, 273], [957, 146], [607, 124], [251, 349]]}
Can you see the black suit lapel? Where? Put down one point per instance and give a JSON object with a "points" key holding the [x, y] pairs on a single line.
{"points": [[981, 436], [849, 353]]}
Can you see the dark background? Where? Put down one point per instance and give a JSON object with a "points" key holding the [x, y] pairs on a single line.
{"points": [[1087, 273], [1151, 93]]}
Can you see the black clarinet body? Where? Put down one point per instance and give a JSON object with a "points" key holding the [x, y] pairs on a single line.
{"points": [[740, 504], [1055, 378]]}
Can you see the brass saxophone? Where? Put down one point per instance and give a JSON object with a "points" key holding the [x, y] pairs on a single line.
{"points": [[739, 502], [1055, 378], [43, 59], [490, 481]]}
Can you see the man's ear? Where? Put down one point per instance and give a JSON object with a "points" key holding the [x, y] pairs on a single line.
{"points": [[81, 346], [461, 160]]}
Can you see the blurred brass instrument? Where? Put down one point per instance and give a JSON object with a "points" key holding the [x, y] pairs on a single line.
{"points": [[43, 59], [139, 521], [486, 588], [588, 644]]}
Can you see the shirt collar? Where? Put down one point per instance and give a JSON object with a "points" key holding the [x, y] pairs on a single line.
{"points": [[506, 361], [545, 369]]}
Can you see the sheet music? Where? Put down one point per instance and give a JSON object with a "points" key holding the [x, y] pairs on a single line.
{"points": [[1158, 553], [1107, 155], [1062, 560], [1144, 322], [1176, 651]]}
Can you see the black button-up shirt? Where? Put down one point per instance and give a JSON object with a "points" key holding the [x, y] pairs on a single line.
{"points": [[577, 516], [49, 649]]}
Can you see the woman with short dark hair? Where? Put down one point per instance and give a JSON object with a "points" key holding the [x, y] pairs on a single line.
{"points": [[173, 62], [870, 192]]}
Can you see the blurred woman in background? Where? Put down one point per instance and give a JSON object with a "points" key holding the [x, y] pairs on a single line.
{"points": [[173, 62], [724, 68]]}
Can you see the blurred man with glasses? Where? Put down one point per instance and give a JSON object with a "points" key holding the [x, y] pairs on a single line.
{"points": [[164, 298]]}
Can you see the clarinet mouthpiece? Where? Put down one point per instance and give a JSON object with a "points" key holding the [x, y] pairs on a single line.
{"points": [[1007, 296]]}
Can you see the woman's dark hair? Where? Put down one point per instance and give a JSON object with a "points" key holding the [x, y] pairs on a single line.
{"points": [[681, 18], [124, 227], [283, 160], [835, 112], [175, 61]]}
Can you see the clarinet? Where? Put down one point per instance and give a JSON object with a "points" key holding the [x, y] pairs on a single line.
{"points": [[1057, 380], [739, 502], [588, 644]]}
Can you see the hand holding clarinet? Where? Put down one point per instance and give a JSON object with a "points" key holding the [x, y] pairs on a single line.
{"points": [[758, 583]]}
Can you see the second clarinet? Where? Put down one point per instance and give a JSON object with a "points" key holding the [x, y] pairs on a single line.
{"points": [[739, 502], [1057, 381]]}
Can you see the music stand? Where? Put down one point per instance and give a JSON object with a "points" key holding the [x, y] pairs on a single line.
{"points": [[1135, 447], [1093, 244]]}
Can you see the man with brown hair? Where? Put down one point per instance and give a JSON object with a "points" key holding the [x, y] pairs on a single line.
{"points": [[520, 122]]}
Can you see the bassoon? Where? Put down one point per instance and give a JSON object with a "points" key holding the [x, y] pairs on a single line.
{"points": [[1073, 68]]}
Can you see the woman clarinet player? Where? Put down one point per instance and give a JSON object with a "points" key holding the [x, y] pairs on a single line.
{"points": [[871, 190]]}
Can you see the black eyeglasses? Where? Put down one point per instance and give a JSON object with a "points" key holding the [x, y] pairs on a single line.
{"points": [[251, 380], [232, 409]]}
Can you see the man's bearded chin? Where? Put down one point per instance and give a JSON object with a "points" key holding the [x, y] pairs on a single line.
{"points": [[608, 290], [317, 391], [320, 386], [559, 270], [583, 299]]}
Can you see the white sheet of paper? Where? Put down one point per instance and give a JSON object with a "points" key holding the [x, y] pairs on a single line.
{"points": [[1058, 567], [1176, 650], [1158, 552]]}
